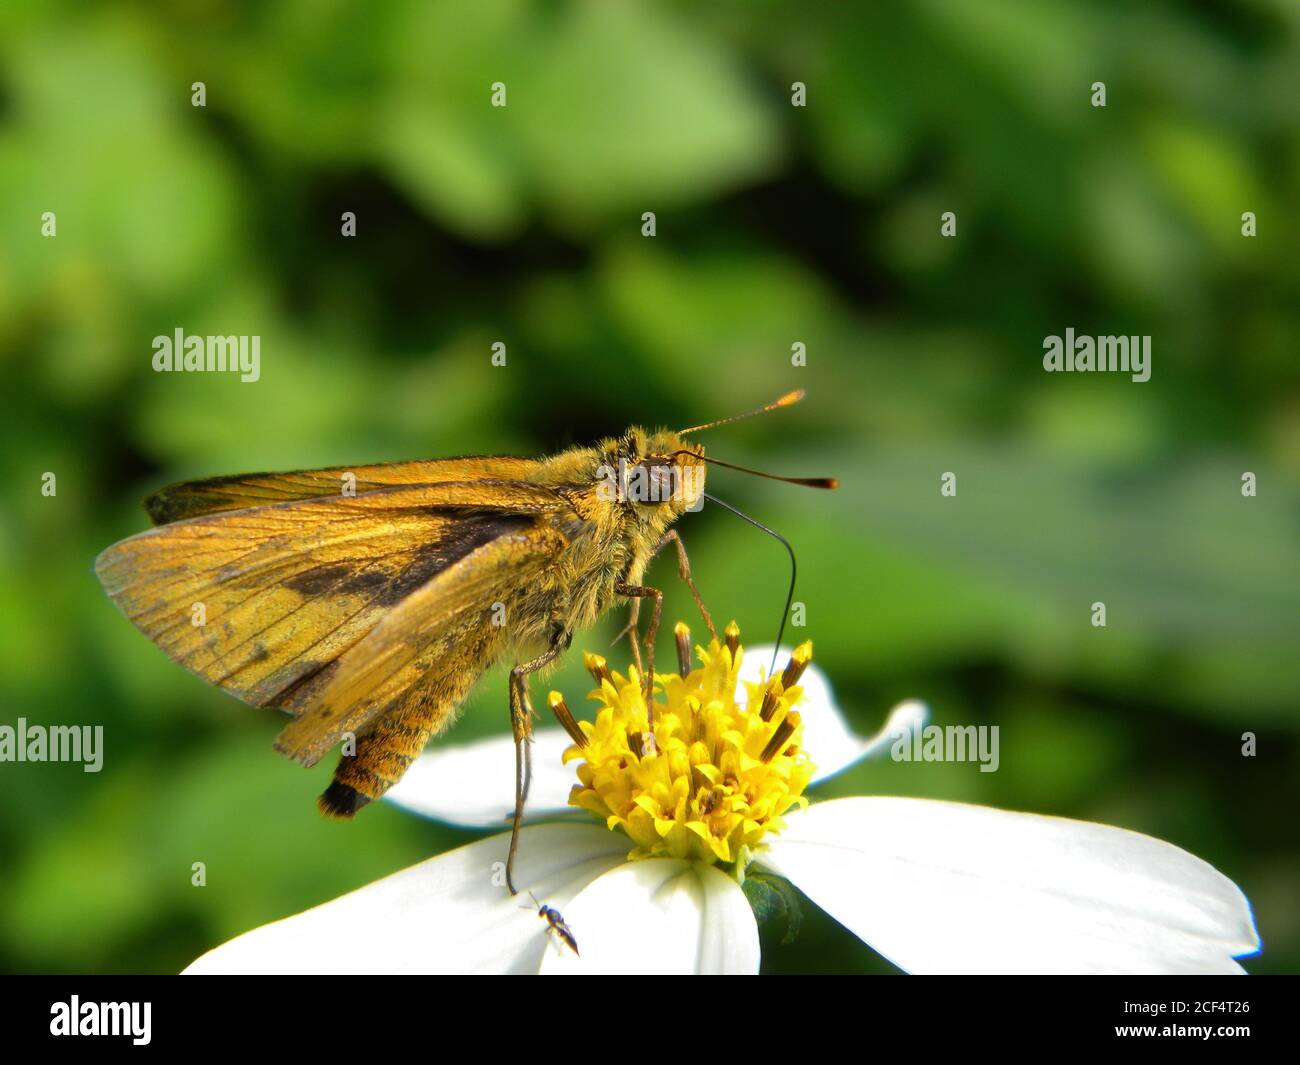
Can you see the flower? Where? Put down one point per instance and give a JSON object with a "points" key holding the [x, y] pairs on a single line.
{"points": [[708, 778], [936, 887]]}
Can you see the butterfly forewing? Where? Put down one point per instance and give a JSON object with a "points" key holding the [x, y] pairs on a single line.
{"points": [[260, 600], [193, 498]]}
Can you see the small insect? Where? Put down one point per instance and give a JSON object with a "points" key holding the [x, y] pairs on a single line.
{"points": [[367, 601], [556, 924]]}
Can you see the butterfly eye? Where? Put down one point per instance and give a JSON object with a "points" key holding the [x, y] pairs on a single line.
{"points": [[663, 482]]}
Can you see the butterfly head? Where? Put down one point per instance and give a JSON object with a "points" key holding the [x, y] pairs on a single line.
{"points": [[658, 474]]}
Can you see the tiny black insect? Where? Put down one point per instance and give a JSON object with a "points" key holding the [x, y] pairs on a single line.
{"points": [[555, 919]]}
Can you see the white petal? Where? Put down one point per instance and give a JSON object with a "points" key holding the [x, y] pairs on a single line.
{"points": [[940, 887], [659, 916], [473, 784], [827, 738], [447, 915]]}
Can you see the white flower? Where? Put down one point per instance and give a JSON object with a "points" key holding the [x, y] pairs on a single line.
{"points": [[936, 887]]}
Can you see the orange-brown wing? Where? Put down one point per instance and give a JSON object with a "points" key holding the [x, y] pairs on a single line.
{"points": [[453, 608], [259, 601], [215, 494]]}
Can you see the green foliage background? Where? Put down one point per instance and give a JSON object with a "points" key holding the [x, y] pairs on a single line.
{"points": [[775, 224]]}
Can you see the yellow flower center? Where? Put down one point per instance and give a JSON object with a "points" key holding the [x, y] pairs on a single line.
{"points": [[705, 778]]}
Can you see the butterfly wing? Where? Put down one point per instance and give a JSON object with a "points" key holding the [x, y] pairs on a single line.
{"points": [[190, 499], [445, 626], [259, 601]]}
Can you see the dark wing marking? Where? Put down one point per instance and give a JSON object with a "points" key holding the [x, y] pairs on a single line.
{"points": [[416, 636]]}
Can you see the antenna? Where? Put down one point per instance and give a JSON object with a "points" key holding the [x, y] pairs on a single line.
{"points": [[789, 399], [806, 482]]}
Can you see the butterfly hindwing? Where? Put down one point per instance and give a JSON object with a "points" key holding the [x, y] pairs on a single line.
{"points": [[445, 627]]}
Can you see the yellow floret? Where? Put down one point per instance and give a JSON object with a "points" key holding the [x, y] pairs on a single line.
{"points": [[710, 777]]}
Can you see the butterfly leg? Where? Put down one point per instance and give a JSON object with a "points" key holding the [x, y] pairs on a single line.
{"points": [[684, 572], [632, 631], [637, 591], [521, 725]]}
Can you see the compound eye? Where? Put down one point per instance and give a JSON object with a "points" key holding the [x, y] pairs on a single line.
{"points": [[663, 482]]}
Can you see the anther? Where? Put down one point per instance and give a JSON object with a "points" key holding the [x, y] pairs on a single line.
{"points": [[779, 738], [798, 663], [598, 668], [642, 744], [566, 719], [732, 635], [683, 635]]}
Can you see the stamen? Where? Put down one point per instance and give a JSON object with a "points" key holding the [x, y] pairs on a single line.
{"points": [[783, 733], [562, 714], [683, 635], [642, 744], [771, 700], [598, 668], [798, 663], [732, 635]]}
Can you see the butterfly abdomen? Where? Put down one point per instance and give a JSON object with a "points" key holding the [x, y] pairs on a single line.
{"points": [[384, 751], [381, 757]]}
